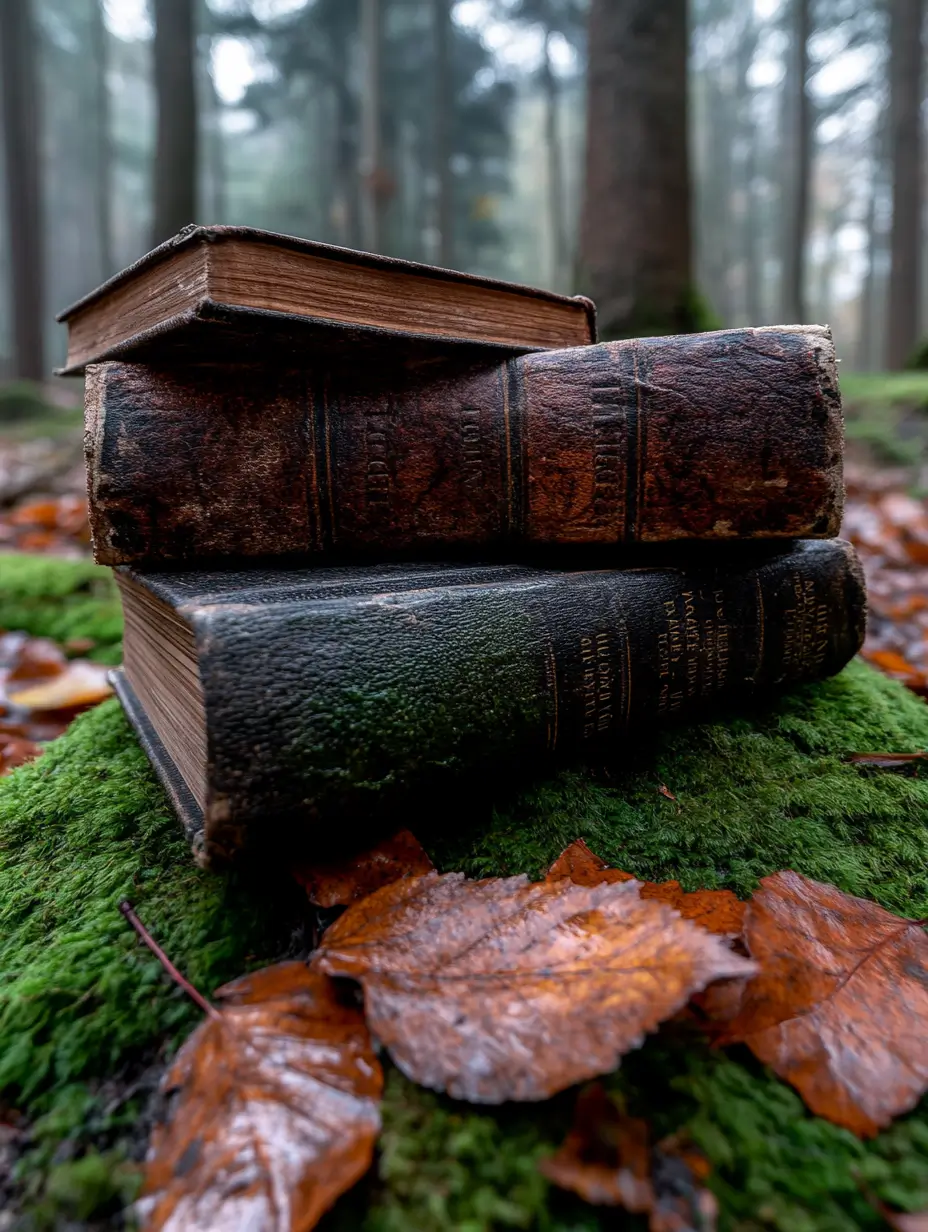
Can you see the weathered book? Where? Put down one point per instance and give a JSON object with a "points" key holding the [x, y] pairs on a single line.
{"points": [[728, 435], [215, 290], [274, 704]]}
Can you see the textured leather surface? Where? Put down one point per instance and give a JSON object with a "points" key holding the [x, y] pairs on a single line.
{"points": [[331, 698], [720, 436]]}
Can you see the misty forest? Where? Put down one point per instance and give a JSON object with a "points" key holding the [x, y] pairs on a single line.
{"points": [[719, 163]]}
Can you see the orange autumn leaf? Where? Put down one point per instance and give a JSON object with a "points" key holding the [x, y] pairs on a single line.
{"points": [[343, 882], [719, 911], [275, 1109], [79, 684], [606, 1157], [16, 751], [839, 1004], [890, 661], [508, 989], [607, 1160]]}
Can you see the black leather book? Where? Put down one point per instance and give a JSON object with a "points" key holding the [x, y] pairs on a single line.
{"points": [[278, 705]]}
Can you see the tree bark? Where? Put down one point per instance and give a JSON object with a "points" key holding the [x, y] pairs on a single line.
{"points": [[176, 147], [635, 257], [905, 73], [797, 166], [441, 31], [22, 135], [104, 147]]}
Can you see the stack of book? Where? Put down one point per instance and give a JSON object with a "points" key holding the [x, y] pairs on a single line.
{"points": [[380, 529]]}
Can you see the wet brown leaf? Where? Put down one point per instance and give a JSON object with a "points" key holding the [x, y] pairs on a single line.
{"points": [[80, 684], [887, 761], [839, 1005], [605, 1157], [719, 911], [275, 1112], [607, 1160], [35, 658], [16, 751], [337, 884], [507, 989]]}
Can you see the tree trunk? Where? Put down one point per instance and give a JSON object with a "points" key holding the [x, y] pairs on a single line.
{"points": [[905, 73], [175, 172], [441, 30], [866, 351], [103, 171], [555, 175], [22, 139], [635, 233], [373, 177], [797, 166]]}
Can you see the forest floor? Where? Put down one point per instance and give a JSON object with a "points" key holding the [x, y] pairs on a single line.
{"points": [[87, 1021]]}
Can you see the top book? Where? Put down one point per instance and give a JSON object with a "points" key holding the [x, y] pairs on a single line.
{"points": [[211, 290]]}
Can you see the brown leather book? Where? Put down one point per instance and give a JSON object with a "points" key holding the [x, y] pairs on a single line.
{"points": [[719, 436], [216, 291], [276, 703]]}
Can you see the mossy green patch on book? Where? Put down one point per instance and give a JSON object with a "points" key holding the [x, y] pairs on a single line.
{"points": [[80, 1002]]}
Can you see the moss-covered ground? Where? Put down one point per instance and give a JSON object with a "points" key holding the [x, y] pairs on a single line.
{"points": [[86, 1017]]}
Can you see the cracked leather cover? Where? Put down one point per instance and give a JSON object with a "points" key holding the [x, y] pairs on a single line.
{"points": [[335, 697], [720, 436]]}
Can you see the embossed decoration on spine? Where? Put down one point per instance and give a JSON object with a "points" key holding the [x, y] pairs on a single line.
{"points": [[732, 435]]}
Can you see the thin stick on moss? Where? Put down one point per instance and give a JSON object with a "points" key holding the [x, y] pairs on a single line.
{"points": [[197, 997]]}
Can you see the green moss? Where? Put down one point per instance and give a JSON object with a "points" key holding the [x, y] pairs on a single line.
{"points": [[48, 596], [79, 1001]]}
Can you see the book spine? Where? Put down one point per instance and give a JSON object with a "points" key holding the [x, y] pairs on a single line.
{"points": [[729, 435], [344, 709]]}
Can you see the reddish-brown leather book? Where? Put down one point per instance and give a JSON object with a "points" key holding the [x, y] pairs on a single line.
{"points": [[720, 436], [218, 291]]}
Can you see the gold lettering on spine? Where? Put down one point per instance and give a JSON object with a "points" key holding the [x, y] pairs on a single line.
{"points": [[608, 455], [377, 471], [598, 684], [693, 648], [805, 628], [472, 464]]}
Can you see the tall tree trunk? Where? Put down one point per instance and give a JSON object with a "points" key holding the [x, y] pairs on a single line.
{"points": [[175, 172], [797, 165], [905, 74], [348, 208], [21, 136], [215, 151], [555, 177], [103, 171], [867, 352], [441, 32], [753, 255], [373, 176], [635, 234]]}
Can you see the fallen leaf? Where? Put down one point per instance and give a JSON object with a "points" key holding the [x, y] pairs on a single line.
{"points": [[16, 751], [36, 658], [900, 1221], [666, 792], [607, 1161], [839, 1005], [337, 884], [274, 1112], [719, 911], [509, 989], [583, 867], [887, 761], [605, 1157], [80, 684]]}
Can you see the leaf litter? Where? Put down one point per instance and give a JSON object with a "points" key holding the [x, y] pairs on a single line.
{"points": [[505, 989], [273, 1107]]}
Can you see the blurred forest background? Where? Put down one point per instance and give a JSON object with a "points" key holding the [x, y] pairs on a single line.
{"points": [[713, 163]]}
